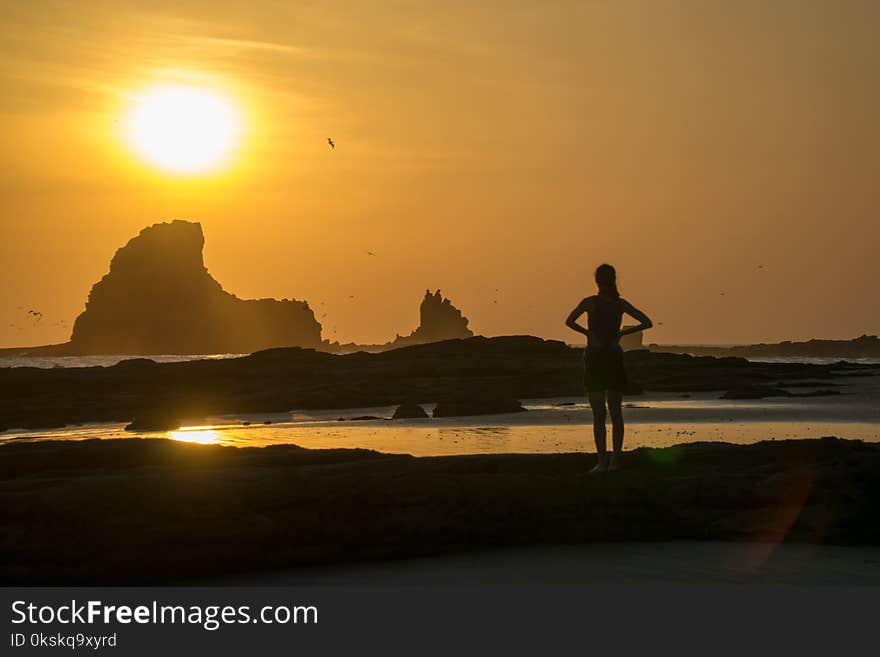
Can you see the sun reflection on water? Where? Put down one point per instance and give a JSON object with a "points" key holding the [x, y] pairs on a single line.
{"points": [[200, 435]]}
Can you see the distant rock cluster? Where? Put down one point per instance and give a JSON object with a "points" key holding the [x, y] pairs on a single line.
{"points": [[158, 298]]}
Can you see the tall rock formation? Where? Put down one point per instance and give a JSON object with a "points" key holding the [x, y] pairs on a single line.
{"points": [[438, 320], [159, 298]]}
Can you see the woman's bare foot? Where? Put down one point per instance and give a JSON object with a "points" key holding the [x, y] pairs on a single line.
{"points": [[615, 463]]}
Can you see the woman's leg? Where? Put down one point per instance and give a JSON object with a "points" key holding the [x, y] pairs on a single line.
{"points": [[615, 409], [597, 403]]}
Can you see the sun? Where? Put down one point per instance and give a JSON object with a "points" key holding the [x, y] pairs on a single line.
{"points": [[182, 129]]}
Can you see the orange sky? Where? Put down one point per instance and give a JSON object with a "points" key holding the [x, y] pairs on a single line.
{"points": [[513, 146]]}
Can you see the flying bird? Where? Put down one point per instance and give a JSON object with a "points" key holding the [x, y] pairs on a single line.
{"points": [[331, 142], [370, 253]]}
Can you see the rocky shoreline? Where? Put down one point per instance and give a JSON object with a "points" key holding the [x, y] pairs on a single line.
{"points": [[142, 511], [458, 373], [864, 346]]}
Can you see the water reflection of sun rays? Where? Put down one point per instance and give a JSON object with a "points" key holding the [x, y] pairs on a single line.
{"points": [[200, 435]]}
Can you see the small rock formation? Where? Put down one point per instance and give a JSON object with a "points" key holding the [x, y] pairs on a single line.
{"points": [[477, 406], [158, 298], [438, 320], [409, 410]]}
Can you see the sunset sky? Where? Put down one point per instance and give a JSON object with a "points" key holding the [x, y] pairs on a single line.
{"points": [[700, 147]]}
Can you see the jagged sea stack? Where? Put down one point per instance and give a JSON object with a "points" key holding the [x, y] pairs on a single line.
{"points": [[438, 320], [158, 298]]}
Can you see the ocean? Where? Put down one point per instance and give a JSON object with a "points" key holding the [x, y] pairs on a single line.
{"points": [[47, 362]]}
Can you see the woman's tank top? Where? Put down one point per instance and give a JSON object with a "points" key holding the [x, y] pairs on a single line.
{"points": [[604, 321]]}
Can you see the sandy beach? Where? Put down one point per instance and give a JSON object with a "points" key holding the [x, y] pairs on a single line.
{"points": [[703, 563]]}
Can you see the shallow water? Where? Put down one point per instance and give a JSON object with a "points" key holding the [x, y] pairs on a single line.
{"points": [[549, 426]]}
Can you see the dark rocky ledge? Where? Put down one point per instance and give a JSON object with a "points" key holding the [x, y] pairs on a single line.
{"points": [[864, 346], [279, 380], [156, 511]]}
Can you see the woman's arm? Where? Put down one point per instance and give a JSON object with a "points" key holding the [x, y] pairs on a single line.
{"points": [[574, 315], [644, 321]]}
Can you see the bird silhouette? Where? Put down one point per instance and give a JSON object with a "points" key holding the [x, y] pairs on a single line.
{"points": [[370, 253], [331, 142]]}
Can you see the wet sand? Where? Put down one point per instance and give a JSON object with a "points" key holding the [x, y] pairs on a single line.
{"points": [[618, 563]]}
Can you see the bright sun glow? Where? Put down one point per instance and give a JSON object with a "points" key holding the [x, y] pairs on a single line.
{"points": [[200, 435], [183, 129]]}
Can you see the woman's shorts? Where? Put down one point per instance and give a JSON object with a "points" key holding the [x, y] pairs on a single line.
{"points": [[604, 370]]}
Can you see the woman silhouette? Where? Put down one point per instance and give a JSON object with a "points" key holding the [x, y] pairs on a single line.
{"points": [[604, 373]]}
